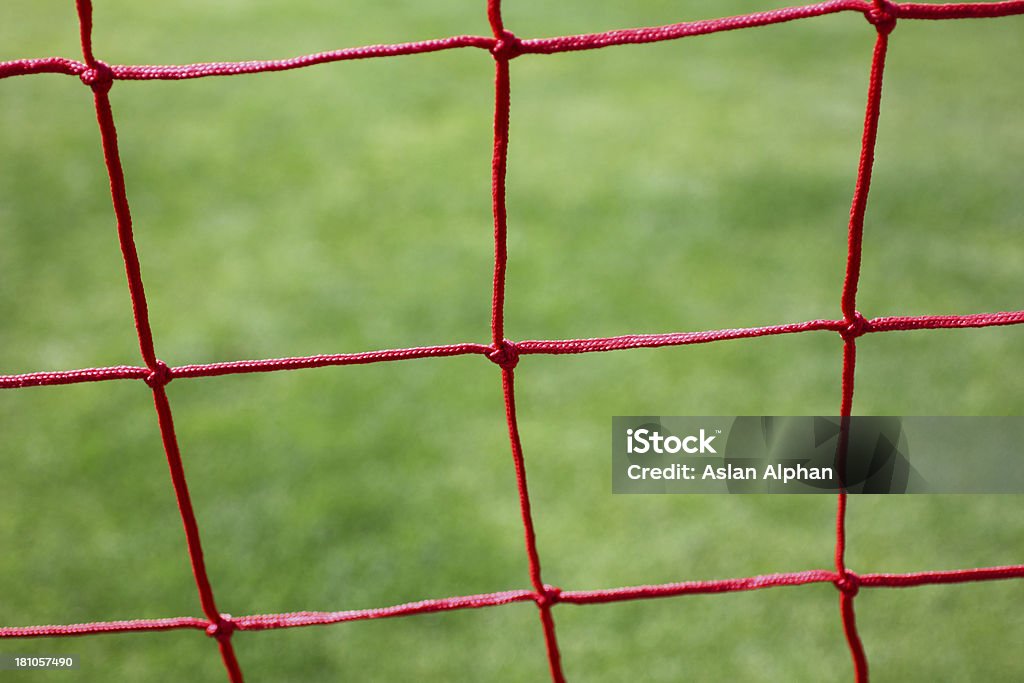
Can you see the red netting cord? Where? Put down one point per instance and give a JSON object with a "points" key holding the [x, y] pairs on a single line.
{"points": [[522, 348], [884, 21], [504, 352], [100, 79], [504, 46]]}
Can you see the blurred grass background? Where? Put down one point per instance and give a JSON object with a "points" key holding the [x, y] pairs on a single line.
{"points": [[690, 185]]}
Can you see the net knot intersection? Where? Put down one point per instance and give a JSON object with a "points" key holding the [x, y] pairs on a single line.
{"points": [[159, 376], [98, 76], [222, 628], [550, 596], [504, 354], [507, 47], [848, 584], [883, 15], [856, 327]]}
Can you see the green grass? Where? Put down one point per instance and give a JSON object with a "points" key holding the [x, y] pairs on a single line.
{"points": [[693, 185]]}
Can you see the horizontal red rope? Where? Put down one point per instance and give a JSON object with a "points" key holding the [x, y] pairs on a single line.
{"points": [[528, 347], [794, 579], [273, 621], [942, 577], [262, 622], [650, 341], [655, 34], [42, 379], [274, 364], [938, 322], [35, 379], [959, 10], [46, 65], [53, 631], [666, 590], [187, 71], [590, 41]]}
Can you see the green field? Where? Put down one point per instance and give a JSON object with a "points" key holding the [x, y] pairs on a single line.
{"points": [[698, 184]]}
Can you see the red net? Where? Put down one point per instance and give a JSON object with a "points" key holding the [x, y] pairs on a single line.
{"points": [[504, 46]]}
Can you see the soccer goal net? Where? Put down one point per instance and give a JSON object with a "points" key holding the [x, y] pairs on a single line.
{"points": [[505, 47]]}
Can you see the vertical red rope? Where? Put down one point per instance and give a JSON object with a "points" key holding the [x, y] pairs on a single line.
{"points": [[499, 162], [867, 160], [882, 16], [220, 625], [545, 596], [508, 384], [494, 17], [112, 158], [504, 352], [84, 8], [100, 79]]}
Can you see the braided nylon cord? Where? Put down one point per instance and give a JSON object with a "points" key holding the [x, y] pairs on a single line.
{"points": [[503, 46]]}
